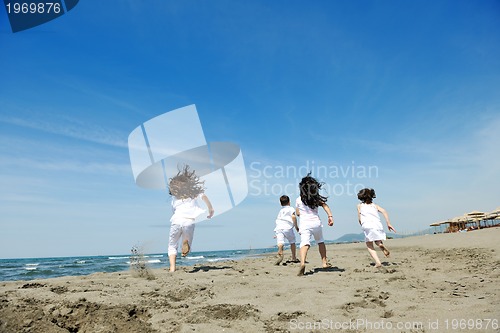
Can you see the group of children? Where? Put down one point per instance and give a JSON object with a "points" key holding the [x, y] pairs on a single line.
{"points": [[307, 205], [187, 190]]}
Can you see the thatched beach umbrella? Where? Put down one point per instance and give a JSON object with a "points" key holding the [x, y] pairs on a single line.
{"points": [[475, 216], [438, 224], [497, 220], [456, 223], [491, 217], [496, 211]]}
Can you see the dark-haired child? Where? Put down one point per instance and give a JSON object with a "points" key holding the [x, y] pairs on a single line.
{"points": [[186, 190], [285, 222], [310, 223], [369, 219]]}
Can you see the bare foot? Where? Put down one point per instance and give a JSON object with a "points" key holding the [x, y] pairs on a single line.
{"points": [[327, 265], [385, 250], [280, 259], [382, 269], [301, 270], [185, 248]]}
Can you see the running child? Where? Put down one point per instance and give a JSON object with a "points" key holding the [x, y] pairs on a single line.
{"points": [[310, 223], [186, 190], [369, 219], [285, 222]]}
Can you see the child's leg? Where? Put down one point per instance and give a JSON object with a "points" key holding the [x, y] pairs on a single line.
{"points": [[305, 239], [280, 249], [303, 257], [383, 248], [172, 259], [173, 242], [293, 248], [280, 254], [290, 236], [280, 239], [187, 238], [318, 237], [373, 254], [322, 253]]}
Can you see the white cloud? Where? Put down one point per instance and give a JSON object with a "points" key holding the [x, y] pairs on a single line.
{"points": [[65, 165], [72, 128]]}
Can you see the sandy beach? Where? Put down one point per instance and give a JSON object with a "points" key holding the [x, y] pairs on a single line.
{"points": [[433, 283]]}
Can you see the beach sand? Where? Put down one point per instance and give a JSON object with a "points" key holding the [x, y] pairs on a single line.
{"points": [[433, 283]]}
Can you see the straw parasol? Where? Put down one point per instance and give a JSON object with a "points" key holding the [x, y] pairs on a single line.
{"points": [[475, 216], [438, 224], [456, 223], [490, 217]]}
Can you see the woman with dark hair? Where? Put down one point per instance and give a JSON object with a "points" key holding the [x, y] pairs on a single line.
{"points": [[369, 219], [186, 190], [310, 223]]}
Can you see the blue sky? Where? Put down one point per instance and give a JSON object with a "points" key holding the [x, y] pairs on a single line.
{"points": [[409, 90]]}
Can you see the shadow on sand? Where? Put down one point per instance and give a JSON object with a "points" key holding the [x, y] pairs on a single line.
{"points": [[208, 268], [326, 269]]}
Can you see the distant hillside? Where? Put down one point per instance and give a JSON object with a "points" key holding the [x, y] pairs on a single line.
{"points": [[350, 238]]}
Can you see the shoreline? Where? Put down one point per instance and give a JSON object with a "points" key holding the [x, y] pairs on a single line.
{"points": [[432, 279]]}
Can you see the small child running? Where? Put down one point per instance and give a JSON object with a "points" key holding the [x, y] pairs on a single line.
{"points": [[186, 190], [369, 219], [310, 223], [285, 222]]}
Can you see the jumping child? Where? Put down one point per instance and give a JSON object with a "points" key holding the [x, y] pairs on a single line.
{"points": [[186, 190]]}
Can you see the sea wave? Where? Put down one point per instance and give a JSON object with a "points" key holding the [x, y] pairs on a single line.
{"points": [[152, 261], [195, 258], [118, 258], [218, 259]]}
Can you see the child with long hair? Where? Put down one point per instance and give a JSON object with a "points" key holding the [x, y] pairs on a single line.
{"points": [[369, 219], [310, 223], [186, 190]]}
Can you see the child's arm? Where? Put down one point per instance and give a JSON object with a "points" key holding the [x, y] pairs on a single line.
{"points": [[386, 216], [294, 219], [359, 215], [209, 205], [297, 214], [328, 212]]}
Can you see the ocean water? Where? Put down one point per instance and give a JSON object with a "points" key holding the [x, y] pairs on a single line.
{"points": [[44, 268]]}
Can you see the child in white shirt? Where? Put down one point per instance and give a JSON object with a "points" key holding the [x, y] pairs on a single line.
{"points": [[186, 190], [310, 224], [369, 219], [285, 222]]}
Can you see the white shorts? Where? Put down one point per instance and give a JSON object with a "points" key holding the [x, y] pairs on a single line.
{"points": [[282, 234], [176, 231], [306, 234], [374, 234]]}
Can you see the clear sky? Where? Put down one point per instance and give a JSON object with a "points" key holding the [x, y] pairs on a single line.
{"points": [[400, 96]]}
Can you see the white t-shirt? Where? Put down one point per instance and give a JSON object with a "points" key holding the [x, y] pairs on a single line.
{"points": [[369, 216], [284, 220], [309, 217], [186, 209]]}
